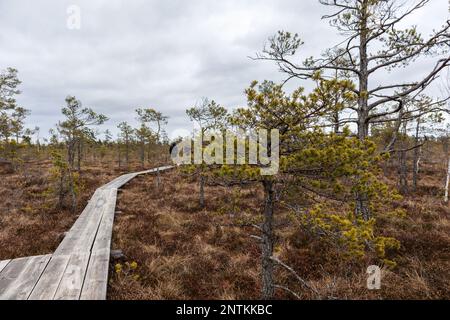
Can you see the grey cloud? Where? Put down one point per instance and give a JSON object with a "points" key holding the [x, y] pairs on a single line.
{"points": [[164, 54]]}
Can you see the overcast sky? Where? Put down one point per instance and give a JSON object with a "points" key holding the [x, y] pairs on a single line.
{"points": [[164, 54]]}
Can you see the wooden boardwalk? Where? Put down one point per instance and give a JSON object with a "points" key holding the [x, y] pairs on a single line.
{"points": [[78, 269]]}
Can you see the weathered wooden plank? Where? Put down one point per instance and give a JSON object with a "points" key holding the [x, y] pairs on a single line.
{"points": [[96, 281], [122, 180], [72, 280], [119, 181], [96, 201], [50, 279], [103, 237], [79, 266], [81, 237], [85, 214], [20, 276], [161, 169], [10, 273], [3, 264], [89, 233], [127, 179]]}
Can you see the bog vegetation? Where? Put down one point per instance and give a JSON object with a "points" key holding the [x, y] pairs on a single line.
{"points": [[363, 176]]}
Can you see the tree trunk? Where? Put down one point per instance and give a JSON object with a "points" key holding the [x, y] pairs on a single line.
{"points": [[79, 154], [363, 99], [417, 153], [142, 152], [72, 191], [336, 112], [362, 204], [417, 156], [158, 178], [118, 154], [402, 162], [71, 159], [127, 153], [61, 191], [447, 181], [403, 172], [336, 121], [71, 153], [267, 242], [202, 191]]}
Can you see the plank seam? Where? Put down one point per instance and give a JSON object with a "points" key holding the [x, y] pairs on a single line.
{"points": [[40, 276], [111, 188], [9, 261]]}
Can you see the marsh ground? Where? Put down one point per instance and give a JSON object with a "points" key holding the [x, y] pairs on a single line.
{"points": [[176, 250]]}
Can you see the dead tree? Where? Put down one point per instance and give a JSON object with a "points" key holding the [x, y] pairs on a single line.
{"points": [[374, 44], [417, 154]]}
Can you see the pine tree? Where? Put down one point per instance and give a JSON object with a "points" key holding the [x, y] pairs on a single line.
{"points": [[313, 163], [375, 43], [74, 129], [126, 134], [209, 116]]}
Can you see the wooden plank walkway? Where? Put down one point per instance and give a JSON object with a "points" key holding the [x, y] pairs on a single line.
{"points": [[78, 269]]}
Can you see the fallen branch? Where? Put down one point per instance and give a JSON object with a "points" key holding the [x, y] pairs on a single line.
{"points": [[409, 149], [300, 279], [256, 237], [288, 290]]}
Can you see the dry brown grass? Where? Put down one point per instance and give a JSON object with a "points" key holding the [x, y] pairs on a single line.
{"points": [[182, 251], [185, 252], [30, 223]]}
